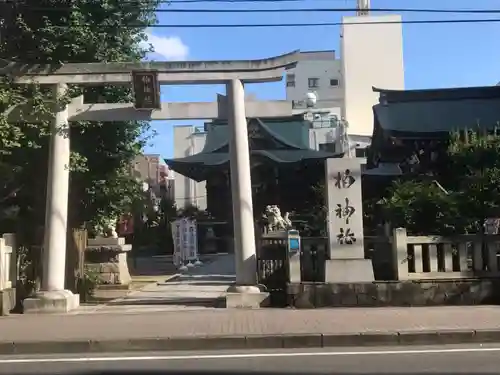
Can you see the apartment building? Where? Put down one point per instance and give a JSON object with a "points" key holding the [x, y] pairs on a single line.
{"points": [[151, 169]]}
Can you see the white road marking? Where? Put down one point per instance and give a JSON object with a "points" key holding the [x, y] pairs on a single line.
{"points": [[250, 355]]}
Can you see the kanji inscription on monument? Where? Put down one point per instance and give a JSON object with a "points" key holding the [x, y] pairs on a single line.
{"points": [[345, 211], [344, 179], [146, 90]]}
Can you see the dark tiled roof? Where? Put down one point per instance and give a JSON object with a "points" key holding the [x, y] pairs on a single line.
{"points": [[454, 93], [438, 110], [289, 135]]}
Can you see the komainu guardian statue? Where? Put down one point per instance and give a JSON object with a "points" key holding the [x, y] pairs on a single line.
{"points": [[275, 222]]}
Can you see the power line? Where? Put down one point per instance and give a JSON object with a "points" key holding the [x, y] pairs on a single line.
{"points": [[230, 26], [339, 10], [373, 10], [168, 2], [232, 1], [236, 1]]}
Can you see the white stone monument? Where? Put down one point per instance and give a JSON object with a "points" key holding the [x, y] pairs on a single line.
{"points": [[345, 223]]}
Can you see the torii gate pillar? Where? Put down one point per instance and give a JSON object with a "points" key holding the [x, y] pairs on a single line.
{"points": [[53, 298], [245, 292], [241, 187]]}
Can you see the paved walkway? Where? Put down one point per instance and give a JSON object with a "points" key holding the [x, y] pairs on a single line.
{"points": [[159, 265], [223, 322], [198, 288]]}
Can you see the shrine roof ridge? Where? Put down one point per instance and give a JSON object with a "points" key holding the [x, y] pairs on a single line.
{"points": [[287, 60], [437, 94]]}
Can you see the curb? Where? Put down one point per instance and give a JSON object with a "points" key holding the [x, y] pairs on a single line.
{"points": [[173, 277], [152, 279], [289, 341]]}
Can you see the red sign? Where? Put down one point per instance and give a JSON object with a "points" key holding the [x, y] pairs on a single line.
{"points": [[126, 225]]}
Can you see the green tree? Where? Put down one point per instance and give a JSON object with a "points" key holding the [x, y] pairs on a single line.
{"points": [[16, 137], [422, 208], [58, 32], [467, 193]]}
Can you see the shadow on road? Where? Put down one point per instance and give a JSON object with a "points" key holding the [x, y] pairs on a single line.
{"points": [[181, 301], [274, 372]]}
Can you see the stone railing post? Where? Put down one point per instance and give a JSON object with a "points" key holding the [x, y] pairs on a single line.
{"points": [[11, 262], [400, 253], [3, 265], [8, 273]]}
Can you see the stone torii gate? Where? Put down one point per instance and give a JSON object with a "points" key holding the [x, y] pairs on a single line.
{"points": [[146, 79]]}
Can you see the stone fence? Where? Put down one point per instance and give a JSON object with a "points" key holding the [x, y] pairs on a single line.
{"points": [[402, 257], [409, 271], [437, 257]]}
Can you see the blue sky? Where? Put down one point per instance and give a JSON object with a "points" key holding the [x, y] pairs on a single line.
{"points": [[435, 55]]}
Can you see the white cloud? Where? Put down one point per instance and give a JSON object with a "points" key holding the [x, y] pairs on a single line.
{"points": [[168, 47]]}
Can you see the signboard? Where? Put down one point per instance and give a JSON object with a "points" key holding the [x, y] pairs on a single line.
{"points": [[185, 238], [492, 225], [293, 238], [146, 90], [126, 225]]}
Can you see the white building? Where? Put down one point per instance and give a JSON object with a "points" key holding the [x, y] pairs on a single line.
{"points": [[189, 140], [319, 72], [371, 55], [153, 171]]}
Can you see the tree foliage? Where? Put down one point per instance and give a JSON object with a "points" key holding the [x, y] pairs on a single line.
{"points": [[457, 198], [421, 207], [17, 141], [58, 32]]}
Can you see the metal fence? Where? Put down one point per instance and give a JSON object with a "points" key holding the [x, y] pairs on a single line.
{"points": [[273, 270], [313, 254]]}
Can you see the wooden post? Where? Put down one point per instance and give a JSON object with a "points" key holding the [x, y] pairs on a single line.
{"points": [[75, 258]]}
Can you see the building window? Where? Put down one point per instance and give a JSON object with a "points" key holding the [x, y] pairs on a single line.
{"points": [[313, 82], [361, 152], [290, 80], [327, 147], [334, 82]]}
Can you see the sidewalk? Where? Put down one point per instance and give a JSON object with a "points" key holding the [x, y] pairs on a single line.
{"points": [[238, 329]]}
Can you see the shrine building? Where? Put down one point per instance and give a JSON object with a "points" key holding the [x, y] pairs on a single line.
{"points": [[283, 166], [412, 127]]}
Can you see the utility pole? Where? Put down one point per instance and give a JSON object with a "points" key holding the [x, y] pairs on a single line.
{"points": [[363, 8]]}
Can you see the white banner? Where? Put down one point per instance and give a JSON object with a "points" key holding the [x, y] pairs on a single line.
{"points": [[176, 232], [184, 235]]}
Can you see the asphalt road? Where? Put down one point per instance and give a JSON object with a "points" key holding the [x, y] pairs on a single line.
{"points": [[406, 360]]}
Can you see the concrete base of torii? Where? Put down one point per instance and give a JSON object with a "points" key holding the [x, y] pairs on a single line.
{"points": [[246, 297], [52, 302]]}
